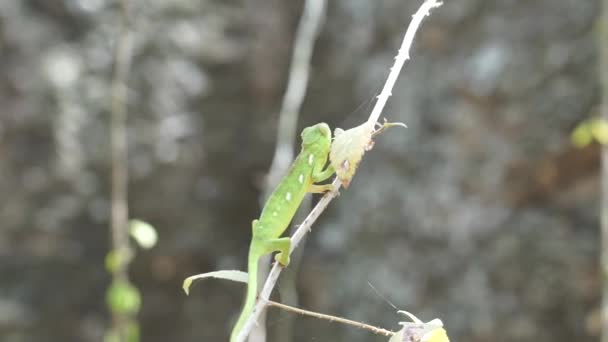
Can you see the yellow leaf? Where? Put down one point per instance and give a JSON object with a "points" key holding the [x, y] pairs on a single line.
{"points": [[599, 130], [581, 136]]}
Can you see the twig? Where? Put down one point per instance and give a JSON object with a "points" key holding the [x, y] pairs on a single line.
{"points": [[330, 318], [118, 131], [402, 56]]}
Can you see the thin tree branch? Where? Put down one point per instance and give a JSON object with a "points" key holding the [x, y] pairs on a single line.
{"points": [[119, 177], [331, 318], [402, 57], [306, 225]]}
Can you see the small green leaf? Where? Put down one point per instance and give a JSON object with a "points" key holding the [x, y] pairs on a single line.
{"points": [[133, 332], [123, 297], [581, 136], [112, 261], [143, 233], [238, 276], [348, 148], [115, 260]]}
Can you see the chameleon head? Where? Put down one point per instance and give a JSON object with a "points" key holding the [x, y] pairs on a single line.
{"points": [[316, 133]]}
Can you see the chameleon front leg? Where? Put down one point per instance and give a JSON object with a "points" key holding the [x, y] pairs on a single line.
{"points": [[319, 176]]}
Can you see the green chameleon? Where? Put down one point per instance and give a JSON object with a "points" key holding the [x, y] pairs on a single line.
{"points": [[281, 206]]}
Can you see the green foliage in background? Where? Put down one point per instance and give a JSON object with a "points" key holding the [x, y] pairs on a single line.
{"points": [[589, 131], [123, 298]]}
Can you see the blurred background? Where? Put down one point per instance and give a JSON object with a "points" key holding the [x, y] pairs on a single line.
{"points": [[482, 212]]}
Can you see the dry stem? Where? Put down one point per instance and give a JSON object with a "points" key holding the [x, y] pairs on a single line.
{"points": [[331, 318]]}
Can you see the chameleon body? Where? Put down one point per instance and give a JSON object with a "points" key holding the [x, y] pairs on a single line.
{"points": [[306, 170]]}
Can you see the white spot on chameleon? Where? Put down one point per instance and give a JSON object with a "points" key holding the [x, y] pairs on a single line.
{"points": [[288, 196], [301, 178], [310, 159], [274, 213]]}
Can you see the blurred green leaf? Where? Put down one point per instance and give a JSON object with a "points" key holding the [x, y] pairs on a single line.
{"points": [[115, 260], [133, 332], [144, 234], [112, 261], [599, 130], [123, 297], [589, 130], [581, 136]]}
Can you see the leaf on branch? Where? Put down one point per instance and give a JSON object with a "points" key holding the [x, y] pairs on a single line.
{"points": [[419, 331], [347, 150], [349, 146], [238, 276]]}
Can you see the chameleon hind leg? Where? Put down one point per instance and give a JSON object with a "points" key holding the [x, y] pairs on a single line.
{"points": [[282, 245]]}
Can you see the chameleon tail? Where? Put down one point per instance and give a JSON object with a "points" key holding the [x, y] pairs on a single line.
{"points": [[250, 299]]}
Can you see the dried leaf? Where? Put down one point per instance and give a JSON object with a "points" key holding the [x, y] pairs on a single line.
{"points": [[238, 276], [349, 146], [347, 150]]}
